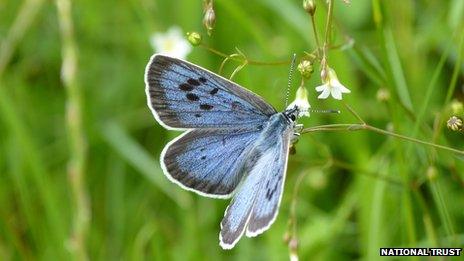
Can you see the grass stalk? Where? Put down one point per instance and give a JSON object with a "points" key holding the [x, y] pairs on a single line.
{"points": [[76, 135], [23, 21]]}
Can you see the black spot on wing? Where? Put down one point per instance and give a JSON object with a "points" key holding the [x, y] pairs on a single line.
{"points": [[185, 87], [214, 91], [206, 107], [202, 79], [193, 82], [197, 115], [203, 157], [192, 97], [269, 192]]}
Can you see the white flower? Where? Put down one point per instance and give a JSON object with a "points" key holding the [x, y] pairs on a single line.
{"points": [[172, 43], [293, 257], [301, 102], [331, 85]]}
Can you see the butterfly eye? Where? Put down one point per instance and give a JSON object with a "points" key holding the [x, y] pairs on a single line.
{"points": [[293, 117]]}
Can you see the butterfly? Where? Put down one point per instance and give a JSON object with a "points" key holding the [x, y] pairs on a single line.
{"points": [[235, 144]]}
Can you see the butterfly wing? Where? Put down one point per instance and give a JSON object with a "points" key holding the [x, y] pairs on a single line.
{"points": [[255, 205], [208, 161], [182, 95], [268, 200]]}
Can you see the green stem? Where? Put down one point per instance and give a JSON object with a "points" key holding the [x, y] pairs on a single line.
{"points": [[328, 25], [23, 21], [235, 58], [356, 127], [76, 136], [374, 129], [316, 36]]}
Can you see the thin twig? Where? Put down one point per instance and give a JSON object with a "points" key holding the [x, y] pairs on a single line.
{"points": [[328, 26], [234, 58], [355, 114], [240, 67], [356, 127], [316, 35]]}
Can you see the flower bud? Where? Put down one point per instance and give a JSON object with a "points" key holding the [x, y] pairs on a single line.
{"points": [[431, 173], [305, 68], [457, 107], [309, 6], [324, 75], [454, 123], [210, 17], [383, 95], [194, 38]]}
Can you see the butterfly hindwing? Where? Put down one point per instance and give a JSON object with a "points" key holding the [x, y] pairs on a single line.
{"points": [[209, 161], [255, 205], [270, 193], [183, 95]]}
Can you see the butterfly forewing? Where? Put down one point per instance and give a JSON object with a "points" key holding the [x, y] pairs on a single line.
{"points": [[183, 95]]}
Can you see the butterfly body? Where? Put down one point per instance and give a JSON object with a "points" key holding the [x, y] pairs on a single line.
{"points": [[235, 144]]}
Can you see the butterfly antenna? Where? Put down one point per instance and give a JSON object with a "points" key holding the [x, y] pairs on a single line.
{"points": [[324, 111], [290, 79]]}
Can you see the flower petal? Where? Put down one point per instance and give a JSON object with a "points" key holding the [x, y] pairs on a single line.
{"points": [[342, 88], [303, 114], [336, 93], [171, 43], [325, 93], [182, 49], [156, 40], [175, 32], [320, 88]]}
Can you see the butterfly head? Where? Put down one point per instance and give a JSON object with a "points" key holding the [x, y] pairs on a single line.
{"points": [[291, 114]]}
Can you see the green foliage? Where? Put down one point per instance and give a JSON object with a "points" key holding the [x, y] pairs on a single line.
{"points": [[361, 191]]}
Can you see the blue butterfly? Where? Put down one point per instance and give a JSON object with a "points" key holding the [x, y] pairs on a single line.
{"points": [[235, 144]]}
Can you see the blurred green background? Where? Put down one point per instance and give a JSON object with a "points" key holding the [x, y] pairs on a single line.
{"points": [[359, 190]]}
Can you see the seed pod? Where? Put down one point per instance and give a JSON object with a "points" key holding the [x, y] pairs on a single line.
{"points": [[305, 68], [210, 17], [454, 123], [194, 38], [309, 6]]}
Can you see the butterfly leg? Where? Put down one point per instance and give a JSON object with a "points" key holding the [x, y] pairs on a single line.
{"points": [[296, 133], [298, 128], [294, 139]]}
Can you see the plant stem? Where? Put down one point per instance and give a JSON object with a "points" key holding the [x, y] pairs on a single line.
{"points": [[23, 21], [328, 26], [76, 136], [235, 57], [316, 36], [354, 113], [356, 127]]}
